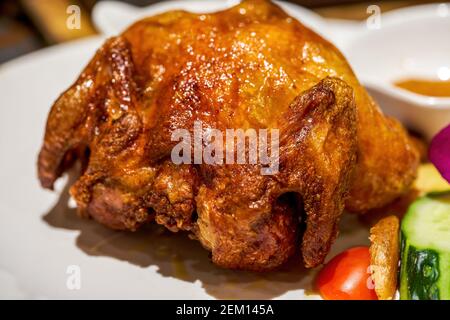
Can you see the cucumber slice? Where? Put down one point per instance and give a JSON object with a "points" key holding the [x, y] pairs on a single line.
{"points": [[425, 232]]}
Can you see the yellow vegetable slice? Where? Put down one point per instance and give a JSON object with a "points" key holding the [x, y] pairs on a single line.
{"points": [[384, 256], [430, 180]]}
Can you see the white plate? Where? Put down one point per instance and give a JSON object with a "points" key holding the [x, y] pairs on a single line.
{"points": [[40, 236]]}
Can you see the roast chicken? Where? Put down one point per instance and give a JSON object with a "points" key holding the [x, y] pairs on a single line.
{"points": [[251, 66]]}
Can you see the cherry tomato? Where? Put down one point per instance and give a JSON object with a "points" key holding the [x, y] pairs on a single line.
{"points": [[347, 276]]}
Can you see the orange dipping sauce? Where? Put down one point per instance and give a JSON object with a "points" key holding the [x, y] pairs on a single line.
{"points": [[432, 88]]}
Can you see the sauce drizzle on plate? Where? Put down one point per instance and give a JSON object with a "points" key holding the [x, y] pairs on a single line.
{"points": [[432, 88]]}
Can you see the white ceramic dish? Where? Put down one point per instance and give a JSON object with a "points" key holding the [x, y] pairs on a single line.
{"points": [[410, 43]]}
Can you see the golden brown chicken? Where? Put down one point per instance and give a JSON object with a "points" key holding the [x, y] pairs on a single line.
{"points": [[251, 66]]}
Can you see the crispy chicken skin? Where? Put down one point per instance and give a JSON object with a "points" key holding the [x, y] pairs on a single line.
{"points": [[251, 66]]}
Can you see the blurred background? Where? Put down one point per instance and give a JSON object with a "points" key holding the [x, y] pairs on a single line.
{"points": [[28, 25]]}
